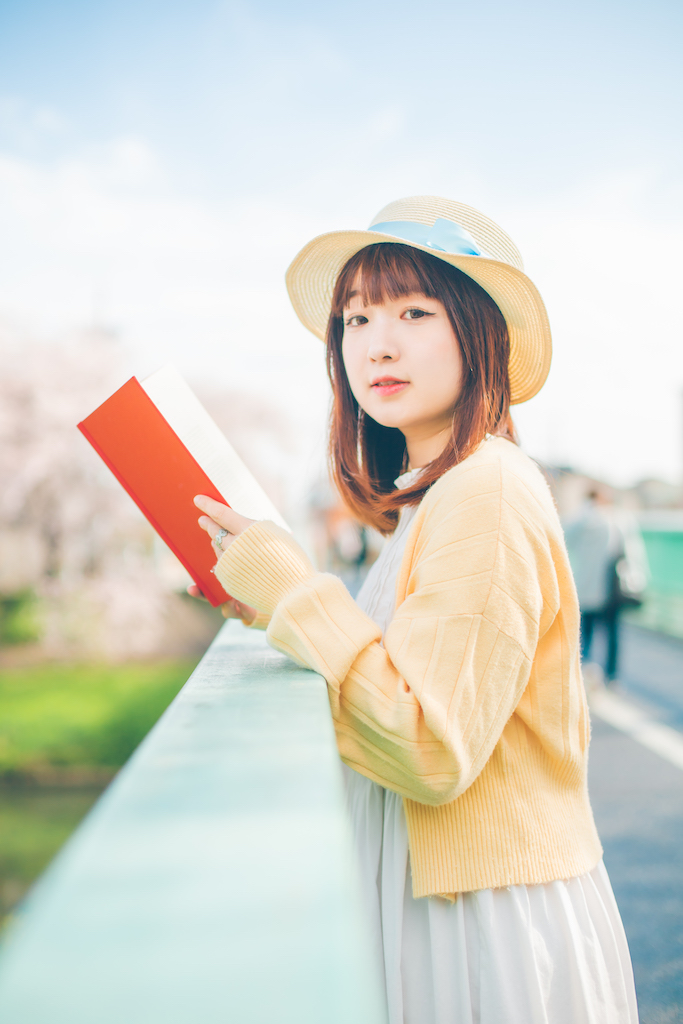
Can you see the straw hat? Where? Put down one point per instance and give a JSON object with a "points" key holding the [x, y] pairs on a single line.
{"points": [[460, 236]]}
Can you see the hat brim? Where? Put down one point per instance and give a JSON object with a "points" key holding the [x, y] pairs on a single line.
{"points": [[313, 273]]}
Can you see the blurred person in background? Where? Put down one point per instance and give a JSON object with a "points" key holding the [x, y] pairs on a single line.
{"points": [[454, 677], [608, 560]]}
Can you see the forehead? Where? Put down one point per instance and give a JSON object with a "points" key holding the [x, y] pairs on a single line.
{"points": [[375, 283], [387, 270]]}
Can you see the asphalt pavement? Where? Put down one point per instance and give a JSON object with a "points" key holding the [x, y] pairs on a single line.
{"points": [[637, 798]]}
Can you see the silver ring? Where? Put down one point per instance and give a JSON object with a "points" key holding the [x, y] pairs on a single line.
{"points": [[218, 539]]}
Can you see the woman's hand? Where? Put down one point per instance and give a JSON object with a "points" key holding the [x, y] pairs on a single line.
{"points": [[220, 517], [232, 609]]}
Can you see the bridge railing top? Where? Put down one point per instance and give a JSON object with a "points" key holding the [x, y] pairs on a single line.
{"points": [[214, 880]]}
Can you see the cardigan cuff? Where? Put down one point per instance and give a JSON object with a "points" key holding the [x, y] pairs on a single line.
{"points": [[262, 565]]}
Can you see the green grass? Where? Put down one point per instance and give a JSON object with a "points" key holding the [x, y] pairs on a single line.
{"points": [[61, 717], [65, 722]]}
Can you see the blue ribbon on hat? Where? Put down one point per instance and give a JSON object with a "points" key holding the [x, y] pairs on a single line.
{"points": [[444, 235]]}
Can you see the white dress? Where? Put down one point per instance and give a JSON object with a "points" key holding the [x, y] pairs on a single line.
{"points": [[528, 954]]}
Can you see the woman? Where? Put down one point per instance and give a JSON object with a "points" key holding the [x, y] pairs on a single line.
{"points": [[454, 679]]}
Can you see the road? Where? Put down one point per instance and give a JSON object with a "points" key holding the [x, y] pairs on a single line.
{"points": [[637, 798]]}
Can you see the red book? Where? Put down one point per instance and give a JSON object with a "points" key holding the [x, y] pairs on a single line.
{"points": [[164, 448]]}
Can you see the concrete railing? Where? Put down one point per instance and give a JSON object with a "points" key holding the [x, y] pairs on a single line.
{"points": [[214, 881]]}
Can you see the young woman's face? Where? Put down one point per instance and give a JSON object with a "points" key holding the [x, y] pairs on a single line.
{"points": [[405, 368]]}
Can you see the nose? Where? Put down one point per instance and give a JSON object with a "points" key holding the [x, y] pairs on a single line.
{"points": [[382, 346]]}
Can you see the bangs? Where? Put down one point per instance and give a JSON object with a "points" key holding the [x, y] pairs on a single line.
{"points": [[387, 270]]}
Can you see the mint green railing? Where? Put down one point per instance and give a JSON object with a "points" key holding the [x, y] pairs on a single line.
{"points": [[663, 607], [214, 881], [665, 557]]}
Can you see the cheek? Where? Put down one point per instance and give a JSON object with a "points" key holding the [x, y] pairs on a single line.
{"points": [[445, 370]]}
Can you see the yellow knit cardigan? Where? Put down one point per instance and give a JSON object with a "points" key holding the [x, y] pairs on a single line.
{"points": [[473, 707]]}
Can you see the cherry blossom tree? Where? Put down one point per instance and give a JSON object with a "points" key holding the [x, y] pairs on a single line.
{"points": [[68, 531]]}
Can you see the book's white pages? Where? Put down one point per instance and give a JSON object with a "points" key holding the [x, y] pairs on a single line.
{"points": [[202, 437]]}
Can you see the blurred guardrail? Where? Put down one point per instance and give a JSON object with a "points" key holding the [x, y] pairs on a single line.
{"points": [[214, 880], [662, 533]]}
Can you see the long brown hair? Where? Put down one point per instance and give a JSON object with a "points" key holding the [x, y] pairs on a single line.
{"points": [[365, 456]]}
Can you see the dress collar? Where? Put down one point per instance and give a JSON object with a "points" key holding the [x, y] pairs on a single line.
{"points": [[407, 479]]}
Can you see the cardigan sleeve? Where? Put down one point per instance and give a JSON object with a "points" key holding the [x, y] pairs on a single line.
{"points": [[422, 712]]}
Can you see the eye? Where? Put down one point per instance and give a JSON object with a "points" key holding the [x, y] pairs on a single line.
{"points": [[416, 314], [357, 320]]}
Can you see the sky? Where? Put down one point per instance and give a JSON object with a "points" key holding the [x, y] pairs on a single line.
{"points": [[162, 163]]}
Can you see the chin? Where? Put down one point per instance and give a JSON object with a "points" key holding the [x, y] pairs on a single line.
{"points": [[395, 422]]}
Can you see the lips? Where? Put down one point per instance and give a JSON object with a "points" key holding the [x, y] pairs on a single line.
{"points": [[388, 385]]}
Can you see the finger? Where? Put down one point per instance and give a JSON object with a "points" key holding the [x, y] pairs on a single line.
{"points": [[229, 610], [194, 591], [222, 514], [210, 525], [220, 540], [234, 609], [246, 612]]}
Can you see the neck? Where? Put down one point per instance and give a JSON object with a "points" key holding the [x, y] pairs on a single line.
{"points": [[423, 450]]}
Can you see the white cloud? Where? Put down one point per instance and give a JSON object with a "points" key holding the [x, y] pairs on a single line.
{"points": [[199, 284], [27, 123]]}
